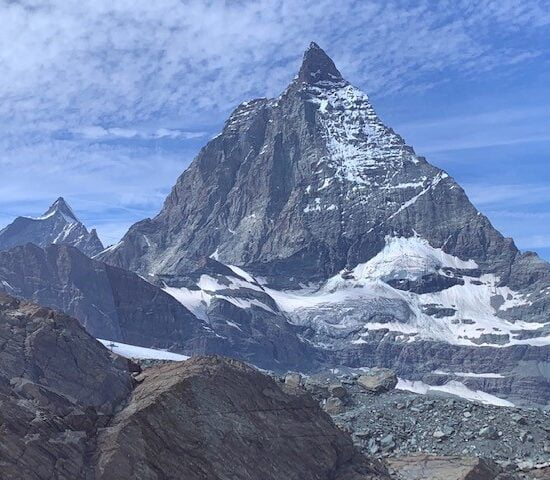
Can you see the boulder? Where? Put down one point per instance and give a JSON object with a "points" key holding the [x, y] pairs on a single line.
{"points": [[223, 419], [334, 406], [378, 380], [337, 390], [424, 467], [293, 380]]}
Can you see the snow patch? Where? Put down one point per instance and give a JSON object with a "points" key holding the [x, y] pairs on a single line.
{"points": [[454, 388], [133, 351]]}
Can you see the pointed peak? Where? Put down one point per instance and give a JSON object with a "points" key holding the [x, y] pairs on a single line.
{"points": [[317, 66], [60, 206]]}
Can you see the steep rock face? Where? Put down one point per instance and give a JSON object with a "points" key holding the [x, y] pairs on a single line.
{"points": [[58, 225], [115, 304], [214, 431], [342, 230], [57, 386], [110, 303], [304, 185]]}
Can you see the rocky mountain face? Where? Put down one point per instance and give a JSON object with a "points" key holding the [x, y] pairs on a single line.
{"points": [[70, 409], [115, 304], [109, 302], [328, 222], [58, 225]]}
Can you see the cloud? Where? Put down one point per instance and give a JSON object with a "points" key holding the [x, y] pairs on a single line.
{"points": [[123, 61], [97, 132], [510, 126], [484, 194]]}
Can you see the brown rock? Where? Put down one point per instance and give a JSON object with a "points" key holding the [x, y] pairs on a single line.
{"points": [[213, 418], [423, 467], [378, 380]]}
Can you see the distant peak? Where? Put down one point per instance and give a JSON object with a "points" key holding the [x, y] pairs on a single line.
{"points": [[317, 66], [60, 206]]}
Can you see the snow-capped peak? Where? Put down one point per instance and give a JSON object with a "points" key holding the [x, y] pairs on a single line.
{"points": [[61, 208]]}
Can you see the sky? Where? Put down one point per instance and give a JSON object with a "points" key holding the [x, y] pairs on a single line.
{"points": [[106, 102]]}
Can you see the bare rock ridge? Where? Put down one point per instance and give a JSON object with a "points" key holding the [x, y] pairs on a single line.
{"points": [[58, 225], [70, 409], [264, 433]]}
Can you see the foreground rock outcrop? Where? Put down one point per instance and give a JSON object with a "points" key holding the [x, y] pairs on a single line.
{"points": [[223, 419], [72, 410], [57, 387]]}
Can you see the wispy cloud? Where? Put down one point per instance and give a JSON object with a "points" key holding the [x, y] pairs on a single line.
{"points": [[97, 132], [485, 194], [128, 61]]}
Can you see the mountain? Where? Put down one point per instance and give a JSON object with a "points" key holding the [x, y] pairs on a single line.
{"points": [[335, 225], [118, 305], [71, 409], [58, 225]]}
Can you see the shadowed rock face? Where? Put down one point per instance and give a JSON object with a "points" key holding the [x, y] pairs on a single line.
{"points": [[222, 432], [118, 305], [58, 225], [110, 303]]}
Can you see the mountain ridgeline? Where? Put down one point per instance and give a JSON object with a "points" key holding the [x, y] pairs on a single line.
{"points": [[308, 235], [59, 225], [299, 187]]}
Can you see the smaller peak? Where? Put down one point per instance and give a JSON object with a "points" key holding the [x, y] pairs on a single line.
{"points": [[317, 66], [60, 206]]}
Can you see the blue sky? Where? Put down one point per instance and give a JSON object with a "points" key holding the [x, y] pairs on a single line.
{"points": [[106, 102]]}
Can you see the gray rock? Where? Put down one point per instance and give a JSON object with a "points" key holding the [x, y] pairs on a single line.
{"points": [[337, 390], [334, 406], [293, 380], [378, 380], [489, 432], [443, 433]]}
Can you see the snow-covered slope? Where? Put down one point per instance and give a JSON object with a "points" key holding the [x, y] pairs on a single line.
{"points": [[59, 225], [133, 351]]}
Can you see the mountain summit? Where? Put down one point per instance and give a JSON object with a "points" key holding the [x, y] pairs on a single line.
{"points": [[327, 220], [60, 207], [58, 225], [317, 66]]}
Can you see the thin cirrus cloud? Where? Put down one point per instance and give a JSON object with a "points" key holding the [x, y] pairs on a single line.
{"points": [[112, 99], [97, 132]]}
